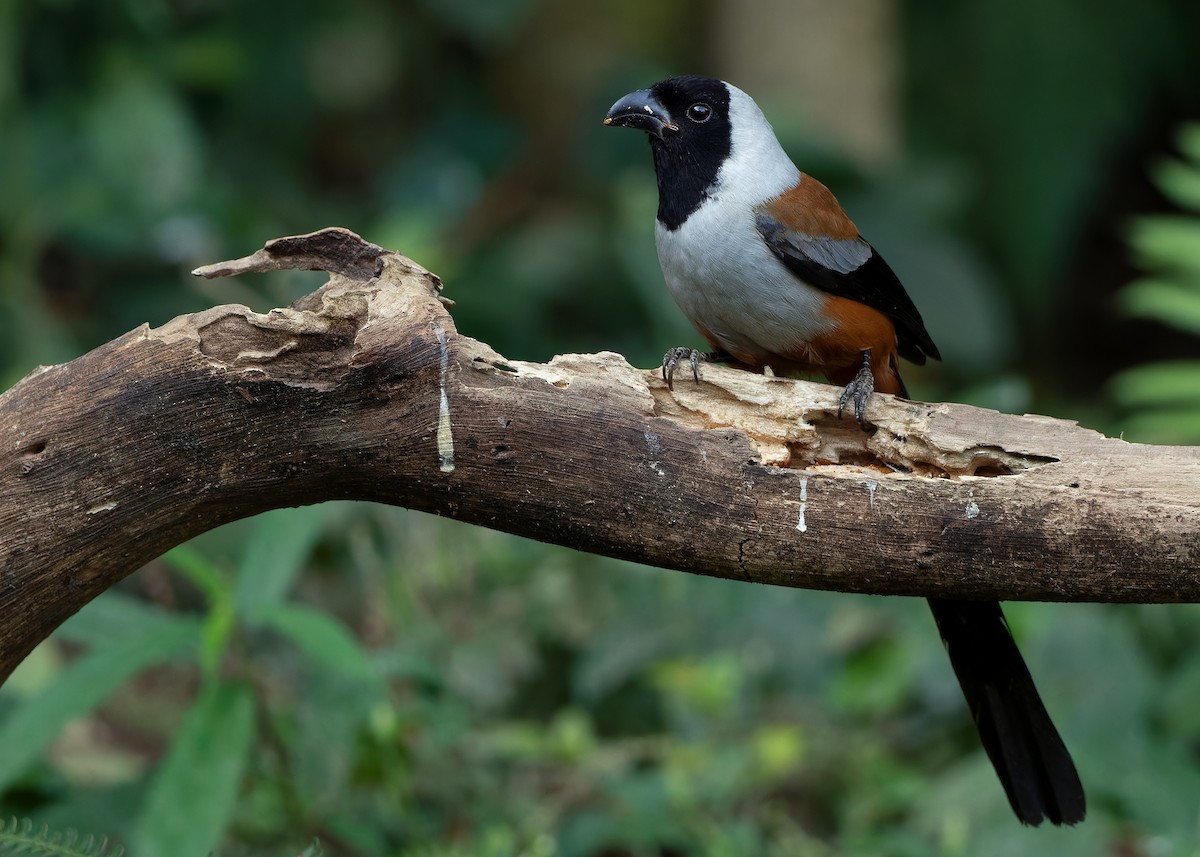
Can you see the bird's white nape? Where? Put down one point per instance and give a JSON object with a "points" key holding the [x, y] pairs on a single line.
{"points": [[757, 168]]}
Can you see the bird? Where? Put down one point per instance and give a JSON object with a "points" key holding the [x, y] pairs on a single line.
{"points": [[773, 274]]}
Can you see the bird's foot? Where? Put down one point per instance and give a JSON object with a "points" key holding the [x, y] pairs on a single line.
{"points": [[676, 357], [858, 391]]}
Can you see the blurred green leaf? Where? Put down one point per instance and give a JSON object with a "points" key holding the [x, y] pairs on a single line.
{"points": [[84, 685], [195, 791], [709, 686], [1181, 702], [572, 736], [209, 60], [275, 553], [1165, 397], [324, 640], [1162, 425], [218, 622], [323, 736], [778, 749], [112, 616], [1180, 181], [875, 679], [1173, 302], [520, 741], [1155, 384], [207, 577], [1167, 242], [1189, 141], [140, 143], [22, 836]]}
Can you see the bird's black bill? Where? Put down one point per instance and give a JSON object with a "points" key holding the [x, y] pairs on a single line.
{"points": [[641, 110]]}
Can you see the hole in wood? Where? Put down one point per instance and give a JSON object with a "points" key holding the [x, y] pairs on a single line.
{"points": [[35, 448]]}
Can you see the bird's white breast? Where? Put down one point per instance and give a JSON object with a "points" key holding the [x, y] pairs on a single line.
{"points": [[717, 266]]}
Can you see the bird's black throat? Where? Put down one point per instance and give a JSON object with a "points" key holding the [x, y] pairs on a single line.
{"points": [[688, 160], [685, 178]]}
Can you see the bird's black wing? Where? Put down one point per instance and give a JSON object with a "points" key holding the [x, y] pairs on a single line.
{"points": [[850, 268]]}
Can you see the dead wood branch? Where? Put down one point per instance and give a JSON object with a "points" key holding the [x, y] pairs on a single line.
{"points": [[364, 389]]}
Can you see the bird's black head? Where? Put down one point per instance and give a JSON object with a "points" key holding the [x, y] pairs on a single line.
{"points": [[687, 121]]}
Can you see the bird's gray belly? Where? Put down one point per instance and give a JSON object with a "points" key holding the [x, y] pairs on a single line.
{"points": [[750, 304]]}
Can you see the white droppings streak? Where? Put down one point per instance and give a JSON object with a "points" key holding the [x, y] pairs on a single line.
{"points": [[972, 510], [445, 437], [103, 507], [800, 525], [654, 447], [871, 486]]}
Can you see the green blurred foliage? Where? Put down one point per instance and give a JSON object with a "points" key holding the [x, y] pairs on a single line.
{"points": [[384, 683], [1163, 399], [1042, 95]]}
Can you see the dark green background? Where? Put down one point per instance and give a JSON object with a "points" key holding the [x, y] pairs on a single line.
{"points": [[390, 683]]}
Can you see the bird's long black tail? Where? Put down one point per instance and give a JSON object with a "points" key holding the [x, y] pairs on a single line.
{"points": [[1029, 756]]}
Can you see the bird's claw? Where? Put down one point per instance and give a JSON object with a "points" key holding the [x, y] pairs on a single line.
{"points": [[677, 356], [859, 391]]}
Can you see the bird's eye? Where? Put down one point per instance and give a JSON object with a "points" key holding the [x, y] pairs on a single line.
{"points": [[699, 112]]}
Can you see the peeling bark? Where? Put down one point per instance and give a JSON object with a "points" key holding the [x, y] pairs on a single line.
{"points": [[365, 390]]}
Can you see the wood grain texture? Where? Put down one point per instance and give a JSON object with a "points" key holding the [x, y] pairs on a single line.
{"points": [[364, 389]]}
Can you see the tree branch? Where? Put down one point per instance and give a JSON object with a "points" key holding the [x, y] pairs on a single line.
{"points": [[365, 390]]}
